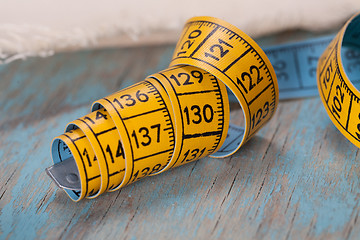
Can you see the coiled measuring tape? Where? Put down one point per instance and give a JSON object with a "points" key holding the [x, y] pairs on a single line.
{"points": [[182, 114], [173, 117], [338, 93]]}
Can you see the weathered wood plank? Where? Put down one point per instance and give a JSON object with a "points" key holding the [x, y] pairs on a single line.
{"points": [[298, 177]]}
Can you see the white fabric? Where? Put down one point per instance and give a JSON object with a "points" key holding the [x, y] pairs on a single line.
{"points": [[40, 27]]}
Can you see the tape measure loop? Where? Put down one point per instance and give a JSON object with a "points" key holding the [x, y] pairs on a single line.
{"points": [[338, 74], [233, 57], [175, 116], [201, 109]]}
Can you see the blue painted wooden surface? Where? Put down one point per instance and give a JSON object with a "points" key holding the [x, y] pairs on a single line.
{"points": [[297, 178]]}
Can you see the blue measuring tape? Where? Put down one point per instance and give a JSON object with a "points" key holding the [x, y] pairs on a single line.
{"points": [[295, 66]]}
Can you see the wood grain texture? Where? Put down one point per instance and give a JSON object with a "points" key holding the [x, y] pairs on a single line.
{"points": [[298, 178]]}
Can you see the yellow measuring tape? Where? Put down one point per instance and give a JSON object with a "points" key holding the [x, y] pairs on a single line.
{"points": [[181, 114], [337, 92]]}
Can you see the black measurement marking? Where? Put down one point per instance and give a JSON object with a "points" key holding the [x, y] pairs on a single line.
{"points": [[105, 131], [79, 138], [154, 154], [144, 113], [93, 178], [262, 91], [196, 92], [349, 112], [203, 41], [205, 134], [114, 173], [236, 60]]}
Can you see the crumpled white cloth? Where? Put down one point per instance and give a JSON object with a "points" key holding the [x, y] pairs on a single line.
{"points": [[41, 27]]}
